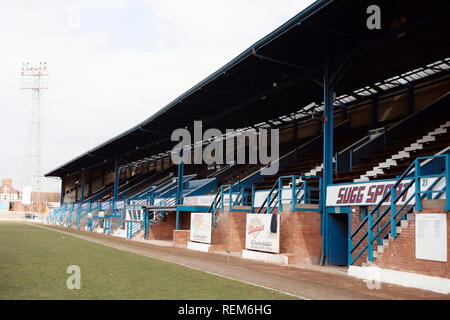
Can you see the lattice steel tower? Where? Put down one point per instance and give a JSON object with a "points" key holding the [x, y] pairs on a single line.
{"points": [[34, 78]]}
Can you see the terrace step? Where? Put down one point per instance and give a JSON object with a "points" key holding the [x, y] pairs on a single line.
{"points": [[445, 125], [387, 164], [414, 146], [438, 131], [401, 155], [426, 139]]}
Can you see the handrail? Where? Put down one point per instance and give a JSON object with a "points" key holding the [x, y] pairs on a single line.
{"points": [[243, 192], [376, 228], [275, 195]]}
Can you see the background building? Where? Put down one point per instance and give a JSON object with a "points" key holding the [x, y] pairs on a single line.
{"points": [[11, 199]]}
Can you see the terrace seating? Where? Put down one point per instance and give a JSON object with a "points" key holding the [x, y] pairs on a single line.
{"points": [[311, 163], [428, 139]]}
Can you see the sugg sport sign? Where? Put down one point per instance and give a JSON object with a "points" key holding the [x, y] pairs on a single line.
{"points": [[371, 193]]}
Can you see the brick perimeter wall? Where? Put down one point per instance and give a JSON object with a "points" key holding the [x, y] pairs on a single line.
{"points": [[401, 254], [356, 220], [181, 237], [300, 236], [229, 234], [164, 229]]}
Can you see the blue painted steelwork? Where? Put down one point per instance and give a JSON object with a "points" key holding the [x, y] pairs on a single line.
{"points": [[116, 179], [244, 196], [83, 185], [135, 220], [147, 224], [337, 231], [179, 194], [177, 223], [298, 194], [328, 94], [377, 229], [199, 187], [113, 221]]}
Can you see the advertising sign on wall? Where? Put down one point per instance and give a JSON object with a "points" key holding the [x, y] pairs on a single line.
{"points": [[263, 232], [201, 225], [371, 193]]}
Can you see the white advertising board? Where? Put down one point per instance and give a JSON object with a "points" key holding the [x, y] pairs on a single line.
{"points": [[263, 233], [201, 226], [431, 236]]}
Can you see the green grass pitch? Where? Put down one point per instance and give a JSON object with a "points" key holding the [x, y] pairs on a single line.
{"points": [[33, 264]]}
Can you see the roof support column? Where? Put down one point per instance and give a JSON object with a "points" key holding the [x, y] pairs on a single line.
{"points": [[328, 133], [179, 195], [116, 184], [327, 158], [83, 182]]}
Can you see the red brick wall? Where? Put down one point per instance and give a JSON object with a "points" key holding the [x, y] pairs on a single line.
{"points": [[300, 236], [356, 220], [401, 254], [164, 229], [181, 237], [229, 234]]}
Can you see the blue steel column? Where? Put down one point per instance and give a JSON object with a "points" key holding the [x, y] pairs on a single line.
{"points": [[180, 178], [179, 195], [327, 154], [83, 178], [116, 184], [447, 182]]}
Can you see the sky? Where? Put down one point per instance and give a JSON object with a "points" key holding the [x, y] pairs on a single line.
{"points": [[113, 64]]}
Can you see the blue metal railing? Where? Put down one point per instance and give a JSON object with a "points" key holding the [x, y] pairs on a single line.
{"points": [[375, 225], [243, 195], [297, 194], [114, 221], [134, 227]]}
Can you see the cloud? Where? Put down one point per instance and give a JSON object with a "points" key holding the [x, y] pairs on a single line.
{"points": [[114, 63]]}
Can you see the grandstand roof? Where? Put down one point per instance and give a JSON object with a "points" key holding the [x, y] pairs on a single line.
{"points": [[280, 75]]}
